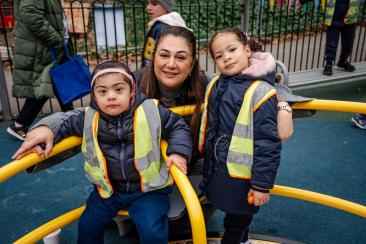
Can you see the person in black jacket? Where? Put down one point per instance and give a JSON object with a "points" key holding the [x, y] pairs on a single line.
{"points": [[111, 123], [239, 132]]}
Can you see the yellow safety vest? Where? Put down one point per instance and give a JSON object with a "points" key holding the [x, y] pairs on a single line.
{"points": [[240, 155], [353, 15], [148, 162]]}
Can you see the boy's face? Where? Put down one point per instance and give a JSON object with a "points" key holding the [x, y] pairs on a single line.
{"points": [[154, 9], [230, 55], [112, 93]]}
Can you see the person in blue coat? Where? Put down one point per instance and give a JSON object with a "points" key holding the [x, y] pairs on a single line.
{"points": [[239, 132]]}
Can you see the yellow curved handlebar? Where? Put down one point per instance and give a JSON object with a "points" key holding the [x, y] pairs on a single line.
{"points": [[332, 105], [189, 196], [190, 199], [316, 104], [31, 159], [319, 198]]}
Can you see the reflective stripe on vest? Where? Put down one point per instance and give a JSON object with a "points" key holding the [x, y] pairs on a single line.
{"points": [[202, 133], [95, 164], [240, 155], [148, 161], [353, 15]]}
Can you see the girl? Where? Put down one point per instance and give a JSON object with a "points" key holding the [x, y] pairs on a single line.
{"points": [[239, 131], [122, 166]]}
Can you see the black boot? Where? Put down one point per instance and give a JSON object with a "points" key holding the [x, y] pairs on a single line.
{"points": [[346, 65], [328, 69]]}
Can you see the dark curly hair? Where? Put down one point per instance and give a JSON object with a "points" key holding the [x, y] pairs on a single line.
{"points": [[242, 37]]}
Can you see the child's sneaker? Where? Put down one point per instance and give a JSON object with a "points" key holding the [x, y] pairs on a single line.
{"points": [[359, 120], [19, 132]]}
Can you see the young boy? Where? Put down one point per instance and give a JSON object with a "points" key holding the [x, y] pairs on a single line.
{"points": [[121, 132], [161, 15]]}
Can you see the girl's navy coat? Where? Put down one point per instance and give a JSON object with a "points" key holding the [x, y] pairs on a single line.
{"points": [[224, 192], [115, 137]]}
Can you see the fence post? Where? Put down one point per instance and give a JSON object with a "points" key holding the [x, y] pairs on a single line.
{"points": [[4, 98], [245, 16]]}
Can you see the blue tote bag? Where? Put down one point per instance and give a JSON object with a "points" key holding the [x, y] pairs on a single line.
{"points": [[71, 79]]}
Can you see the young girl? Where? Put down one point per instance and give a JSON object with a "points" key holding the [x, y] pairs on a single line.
{"points": [[239, 131], [121, 132], [161, 15]]}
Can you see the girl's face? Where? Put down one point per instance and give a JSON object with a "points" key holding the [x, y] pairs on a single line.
{"points": [[230, 55], [112, 93], [173, 61], [154, 9]]}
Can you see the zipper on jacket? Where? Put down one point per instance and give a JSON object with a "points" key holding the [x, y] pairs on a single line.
{"points": [[122, 154], [122, 150]]}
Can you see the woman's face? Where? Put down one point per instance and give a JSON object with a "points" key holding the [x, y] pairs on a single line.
{"points": [[173, 61]]}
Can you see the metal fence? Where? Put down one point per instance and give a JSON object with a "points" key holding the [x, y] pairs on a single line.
{"points": [[116, 29]]}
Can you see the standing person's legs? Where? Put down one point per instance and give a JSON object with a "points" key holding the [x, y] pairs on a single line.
{"points": [[97, 215], [149, 213], [30, 110], [347, 39], [27, 115], [331, 43], [236, 228]]}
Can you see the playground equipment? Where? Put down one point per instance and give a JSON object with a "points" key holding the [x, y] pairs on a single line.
{"points": [[190, 198]]}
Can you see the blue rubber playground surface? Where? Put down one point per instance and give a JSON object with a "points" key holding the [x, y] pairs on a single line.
{"points": [[326, 154]]}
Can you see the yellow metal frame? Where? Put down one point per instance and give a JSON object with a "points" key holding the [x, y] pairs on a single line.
{"points": [[189, 196]]}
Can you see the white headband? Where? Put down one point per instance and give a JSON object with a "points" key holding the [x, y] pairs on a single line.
{"points": [[121, 71], [113, 70]]}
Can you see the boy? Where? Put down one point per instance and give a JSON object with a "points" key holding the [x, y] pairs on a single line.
{"points": [[161, 15]]}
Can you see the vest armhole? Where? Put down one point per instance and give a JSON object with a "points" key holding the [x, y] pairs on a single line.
{"points": [[264, 99]]}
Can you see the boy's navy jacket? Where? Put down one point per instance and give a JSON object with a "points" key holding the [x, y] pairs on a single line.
{"points": [[224, 105], [154, 34], [116, 140]]}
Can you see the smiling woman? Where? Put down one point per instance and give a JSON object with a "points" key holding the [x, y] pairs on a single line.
{"points": [[173, 76]]}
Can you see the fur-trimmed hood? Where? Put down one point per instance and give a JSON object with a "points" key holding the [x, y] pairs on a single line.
{"points": [[261, 65]]}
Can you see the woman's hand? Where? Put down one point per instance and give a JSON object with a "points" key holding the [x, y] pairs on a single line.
{"points": [[41, 134], [285, 126], [179, 161], [259, 198]]}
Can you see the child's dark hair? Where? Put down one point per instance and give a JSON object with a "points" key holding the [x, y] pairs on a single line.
{"points": [[242, 37], [113, 64]]}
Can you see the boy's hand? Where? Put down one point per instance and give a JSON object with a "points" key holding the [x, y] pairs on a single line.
{"points": [[179, 161], [259, 198], [41, 134]]}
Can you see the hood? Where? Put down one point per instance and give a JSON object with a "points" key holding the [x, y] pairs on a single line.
{"points": [[139, 98], [171, 19], [262, 65]]}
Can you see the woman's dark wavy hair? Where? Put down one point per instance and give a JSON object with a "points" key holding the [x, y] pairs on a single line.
{"points": [[242, 37], [149, 83]]}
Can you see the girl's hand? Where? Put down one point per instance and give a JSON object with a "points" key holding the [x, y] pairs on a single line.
{"points": [[284, 122], [259, 198], [41, 134], [179, 161]]}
